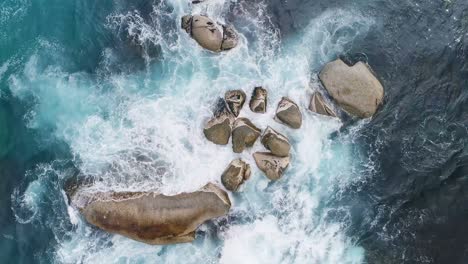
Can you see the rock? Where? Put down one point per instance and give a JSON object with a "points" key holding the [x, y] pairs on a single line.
{"points": [[319, 106], [288, 113], [258, 101], [235, 100], [354, 88], [209, 34], [275, 142], [235, 175], [150, 217], [218, 129], [244, 134], [273, 166], [230, 38]]}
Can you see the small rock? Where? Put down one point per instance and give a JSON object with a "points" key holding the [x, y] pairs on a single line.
{"points": [[244, 134], [273, 166], [319, 106], [218, 129], [230, 38], [288, 113], [258, 102], [235, 100], [209, 34], [235, 175], [355, 88], [275, 142]]}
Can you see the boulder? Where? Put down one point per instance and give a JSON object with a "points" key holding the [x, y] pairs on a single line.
{"points": [[319, 106], [235, 100], [235, 175], [244, 134], [355, 88], [150, 217], [273, 166], [209, 34], [288, 113], [230, 38], [218, 129], [275, 142], [258, 101]]}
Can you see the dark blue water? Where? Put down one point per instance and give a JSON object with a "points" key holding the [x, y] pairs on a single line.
{"points": [[63, 67]]}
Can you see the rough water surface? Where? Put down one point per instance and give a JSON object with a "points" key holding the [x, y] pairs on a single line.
{"points": [[117, 92]]}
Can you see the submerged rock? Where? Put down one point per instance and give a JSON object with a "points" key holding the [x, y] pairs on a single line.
{"points": [[209, 34], [218, 129], [244, 134], [275, 142], [235, 100], [273, 166], [153, 218], [235, 175], [354, 88], [319, 106], [258, 101], [288, 113]]}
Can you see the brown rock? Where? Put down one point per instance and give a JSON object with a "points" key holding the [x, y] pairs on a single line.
{"points": [[275, 142], [273, 166], [153, 218], [230, 38], [258, 101], [235, 175], [354, 88], [288, 113], [244, 134], [235, 100], [218, 129], [319, 106], [209, 34]]}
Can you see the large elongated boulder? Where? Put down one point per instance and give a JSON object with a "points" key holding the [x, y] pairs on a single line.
{"points": [[354, 88], [275, 142], [218, 129], [153, 218], [258, 102], [273, 166], [209, 34], [288, 113], [244, 134], [235, 175], [319, 106], [235, 100]]}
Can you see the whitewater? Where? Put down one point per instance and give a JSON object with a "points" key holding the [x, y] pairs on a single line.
{"points": [[140, 129]]}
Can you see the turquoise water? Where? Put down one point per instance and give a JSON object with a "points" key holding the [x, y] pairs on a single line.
{"points": [[119, 93]]}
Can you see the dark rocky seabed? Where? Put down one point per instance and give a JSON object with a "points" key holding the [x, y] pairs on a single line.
{"points": [[413, 206]]}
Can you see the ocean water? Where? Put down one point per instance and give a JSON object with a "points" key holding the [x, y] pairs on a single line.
{"points": [[116, 92]]}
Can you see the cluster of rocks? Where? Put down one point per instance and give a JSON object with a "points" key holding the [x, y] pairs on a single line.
{"points": [[155, 218], [225, 124]]}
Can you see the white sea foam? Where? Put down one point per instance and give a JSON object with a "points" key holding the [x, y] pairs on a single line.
{"points": [[143, 131]]}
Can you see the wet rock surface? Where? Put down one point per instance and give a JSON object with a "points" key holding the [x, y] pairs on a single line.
{"points": [[319, 106], [218, 129], [244, 134], [355, 88], [275, 142], [150, 217], [288, 113], [235, 175], [273, 166], [235, 100], [258, 101], [209, 34]]}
